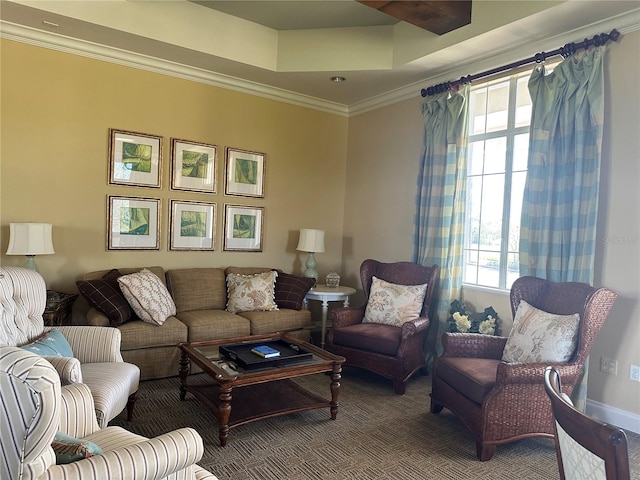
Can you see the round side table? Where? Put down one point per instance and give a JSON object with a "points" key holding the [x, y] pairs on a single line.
{"points": [[325, 295]]}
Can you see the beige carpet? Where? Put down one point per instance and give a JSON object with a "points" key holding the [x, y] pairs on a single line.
{"points": [[377, 435]]}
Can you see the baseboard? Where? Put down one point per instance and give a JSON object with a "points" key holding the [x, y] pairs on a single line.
{"points": [[615, 416]]}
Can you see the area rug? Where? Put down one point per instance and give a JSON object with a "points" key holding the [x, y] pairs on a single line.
{"points": [[377, 435]]}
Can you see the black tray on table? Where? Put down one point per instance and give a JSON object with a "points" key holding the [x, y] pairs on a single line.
{"points": [[241, 354]]}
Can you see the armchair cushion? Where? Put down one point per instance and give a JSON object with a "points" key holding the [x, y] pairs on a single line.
{"points": [[69, 449], [250, 293], [291, 289], [473, 376], [148, 296], [541, 337], [392, 304], [369, 336], [50, 344], [104, 294]]}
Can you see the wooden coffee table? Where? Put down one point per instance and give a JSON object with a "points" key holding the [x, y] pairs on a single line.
{"points": [[237, 396]]}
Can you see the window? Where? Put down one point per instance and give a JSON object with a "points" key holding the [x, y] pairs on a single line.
{"points": [[499, 117]]}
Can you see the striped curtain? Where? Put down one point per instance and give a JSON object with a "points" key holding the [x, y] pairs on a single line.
{"points": [[440, 202], [560, 203]]}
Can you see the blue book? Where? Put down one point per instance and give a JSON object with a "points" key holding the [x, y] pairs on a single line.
{"points": [[265, 351]]}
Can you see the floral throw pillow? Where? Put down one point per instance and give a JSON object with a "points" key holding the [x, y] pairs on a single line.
{"points": [[250, 293], [148, 297], [392, 304], [541, 337]]}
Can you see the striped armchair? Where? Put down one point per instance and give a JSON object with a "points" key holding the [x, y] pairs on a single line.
{"points": [[34, 406], [96, 360]]}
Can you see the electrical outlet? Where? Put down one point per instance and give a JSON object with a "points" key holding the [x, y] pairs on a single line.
{"points": [[609, 365], [634, 373]]}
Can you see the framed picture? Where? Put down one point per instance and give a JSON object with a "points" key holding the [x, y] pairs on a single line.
{"points": [[192, 225], [133, 223], [135, 159], [245, 173], [193, 166], [243, 228]]}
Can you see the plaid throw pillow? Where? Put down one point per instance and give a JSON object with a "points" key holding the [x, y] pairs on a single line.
{"points": [[291, 289], [104, 295]]}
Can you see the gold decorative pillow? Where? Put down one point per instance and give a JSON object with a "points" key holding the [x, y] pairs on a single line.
{"points": [[250, 293], [148, 297], [541, 337], [392, 304]]}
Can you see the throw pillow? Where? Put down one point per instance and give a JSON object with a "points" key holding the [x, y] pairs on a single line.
{"points": [[392, 304], [148, 297], [70, 449], [50, 344], [541, 337], [250, 293], [291, 289], [104, 294]]}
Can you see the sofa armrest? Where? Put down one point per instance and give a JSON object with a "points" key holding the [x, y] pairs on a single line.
{"points": [[474, 345], [96, 318], [146, 460], [93, 344], [77, 411], [68, 368], [345, 316]]}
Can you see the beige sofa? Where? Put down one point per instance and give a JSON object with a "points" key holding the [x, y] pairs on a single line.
{"points": [[200, 295]]}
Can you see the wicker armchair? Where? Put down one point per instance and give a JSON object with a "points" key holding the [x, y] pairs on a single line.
{"points": [[585, 447], [393, 352], [501, 402]]}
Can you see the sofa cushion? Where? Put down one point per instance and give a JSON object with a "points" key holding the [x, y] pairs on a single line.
{"points": [[282, 320], [291, 289], [383, 339], [392, 304], [104, 294], [214, 324], [70, 449], [541, 337], [197, 288], [474, 377], [148, 296], [138, 334], [247, 293], [50, 344]]}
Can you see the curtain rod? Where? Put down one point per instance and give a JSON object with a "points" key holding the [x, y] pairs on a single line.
{"points": [[566, 51]]}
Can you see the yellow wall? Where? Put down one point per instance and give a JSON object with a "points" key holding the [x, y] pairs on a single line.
{"points": [[57, 109], [384, 148]]}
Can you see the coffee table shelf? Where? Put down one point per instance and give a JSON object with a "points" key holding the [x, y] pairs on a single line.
{"points": [[237, 397]]}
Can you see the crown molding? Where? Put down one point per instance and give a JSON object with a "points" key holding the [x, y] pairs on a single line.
{"points": [[39, 38]]}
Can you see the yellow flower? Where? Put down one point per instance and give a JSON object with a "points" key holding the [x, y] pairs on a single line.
{"points": [[462, 322], [487, 327]]}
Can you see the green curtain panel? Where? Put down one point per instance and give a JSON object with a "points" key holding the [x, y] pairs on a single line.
{"points": [[440, 201], [560, 204]]}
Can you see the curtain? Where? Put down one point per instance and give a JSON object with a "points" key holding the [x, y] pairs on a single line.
{"points": [[440, 202], [560, 203]]}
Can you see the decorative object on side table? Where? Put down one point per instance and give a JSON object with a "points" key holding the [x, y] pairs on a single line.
{"points": [[311, 241], [58, 308], [332, 280], [30, 239], [464, 321]]}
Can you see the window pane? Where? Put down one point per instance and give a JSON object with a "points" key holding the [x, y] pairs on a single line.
{"points": [[489, 269], [520, 151], [471, 267], [517, 191], [498, 107], [523, 103], [513, 271], [477, 111], [491, 213], [476, 158], [495, 155]]}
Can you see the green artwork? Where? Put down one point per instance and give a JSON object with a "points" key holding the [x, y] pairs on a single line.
{"points": [[193, 224], [136, 157], [244, 226], [246, 171], [134, 221], [194, 164]]}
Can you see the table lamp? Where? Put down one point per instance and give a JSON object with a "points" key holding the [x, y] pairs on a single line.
{"points": [[30, 239], [311, 241]]}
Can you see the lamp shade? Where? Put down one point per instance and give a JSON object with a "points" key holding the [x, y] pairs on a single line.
{"points": [[30, 239], [311, 240]]}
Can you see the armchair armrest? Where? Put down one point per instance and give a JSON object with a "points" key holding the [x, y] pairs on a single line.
{"points": [[146, 460], [77, 411], [345, 316], [412, 327], [68, 368], [473, 345], [530, 373], [93, 344]]}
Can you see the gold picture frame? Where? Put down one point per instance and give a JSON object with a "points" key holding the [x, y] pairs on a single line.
{"points": [[192, 225], [135, 159], [133, 223], [193, 166], [243, 226], [245, 173]]}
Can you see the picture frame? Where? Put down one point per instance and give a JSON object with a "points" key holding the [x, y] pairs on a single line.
{"points": [[133, 223], [245, 173], [135, 159], [193, 166], [192, 225], [243, 227]]}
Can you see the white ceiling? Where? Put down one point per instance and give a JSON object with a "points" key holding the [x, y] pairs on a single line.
{"points": [[292, 48]]}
